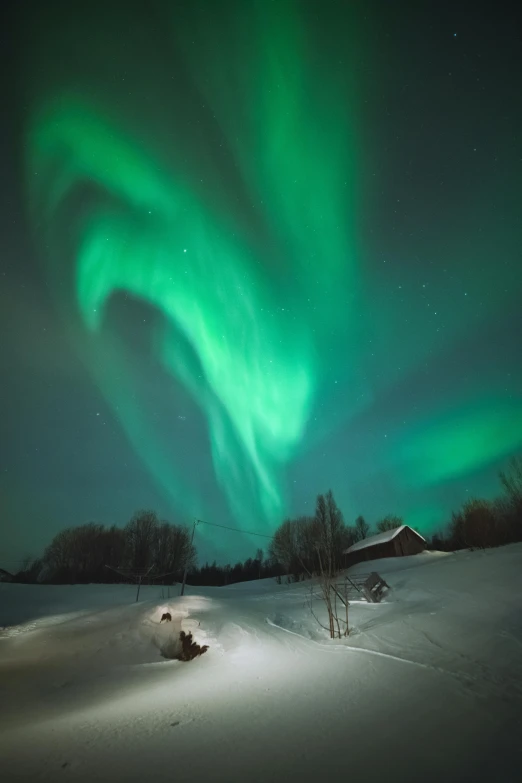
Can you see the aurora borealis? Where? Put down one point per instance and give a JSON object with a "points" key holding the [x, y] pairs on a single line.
{"points": [[276, 246]]}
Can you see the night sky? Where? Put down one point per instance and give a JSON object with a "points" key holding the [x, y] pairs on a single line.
{"points": [[253, 250]]}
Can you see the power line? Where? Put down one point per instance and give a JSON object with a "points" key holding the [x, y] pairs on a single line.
{"points": [[235, 529]]}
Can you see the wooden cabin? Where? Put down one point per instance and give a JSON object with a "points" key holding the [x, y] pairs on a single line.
{"points": [[401, 541]]}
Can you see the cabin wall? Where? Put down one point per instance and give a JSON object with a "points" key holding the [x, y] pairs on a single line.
{"points": [[408, 543], [371, 553], [405, 543]]}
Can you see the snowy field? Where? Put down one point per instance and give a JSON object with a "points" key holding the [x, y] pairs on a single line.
{"points": [[428, 687]]}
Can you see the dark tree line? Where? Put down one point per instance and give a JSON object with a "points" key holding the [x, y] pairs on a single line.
{"points": [[90, 553], [93, 552], [313, 545], [258, 567], [480, 524], [300, 547]]}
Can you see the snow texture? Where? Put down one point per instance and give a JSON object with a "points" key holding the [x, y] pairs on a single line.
{"points": [[380, 538], [427, 687]]}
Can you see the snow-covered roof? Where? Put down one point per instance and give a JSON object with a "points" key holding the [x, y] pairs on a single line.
{"points": [[380, 538]]}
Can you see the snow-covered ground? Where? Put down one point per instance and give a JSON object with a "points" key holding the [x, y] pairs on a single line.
{"points": [[428, 687]]}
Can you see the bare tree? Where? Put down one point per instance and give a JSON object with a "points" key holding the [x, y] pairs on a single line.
{"points": [[332, 599], [511, 480], [389, 522], [80, 554], [58, 556], [171, 549], [479, 524], [140, 538], [329, 531], [293, 546], [361, 529], [510, 507], [329, 536]]}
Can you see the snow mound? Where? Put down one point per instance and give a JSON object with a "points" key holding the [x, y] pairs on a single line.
{"points": [[86, 683]]}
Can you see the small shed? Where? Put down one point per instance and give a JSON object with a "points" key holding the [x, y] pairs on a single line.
{"points": [[401, 541]]}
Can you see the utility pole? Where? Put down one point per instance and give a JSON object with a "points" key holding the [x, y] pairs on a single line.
{"points": [[186, 566]]}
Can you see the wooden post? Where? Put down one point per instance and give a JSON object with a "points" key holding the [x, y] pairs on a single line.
{"points": [[186, 567]]}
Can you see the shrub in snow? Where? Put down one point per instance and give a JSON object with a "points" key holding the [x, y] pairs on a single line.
{"points": [[189, 648]]}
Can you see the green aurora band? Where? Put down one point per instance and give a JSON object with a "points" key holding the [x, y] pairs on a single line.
{"points": [[154, 235], [257, 275]]}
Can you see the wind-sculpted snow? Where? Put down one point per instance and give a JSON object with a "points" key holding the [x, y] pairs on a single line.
{"points": [[436, 666]]}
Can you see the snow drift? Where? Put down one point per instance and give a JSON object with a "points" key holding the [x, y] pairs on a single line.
{"points": [[427, 686]]}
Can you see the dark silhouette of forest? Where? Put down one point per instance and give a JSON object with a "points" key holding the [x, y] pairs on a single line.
{"points": [[299, 548]]}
